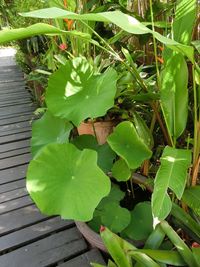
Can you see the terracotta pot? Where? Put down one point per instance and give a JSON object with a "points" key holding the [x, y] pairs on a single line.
{"points": [[102, 129], [93, 238]]}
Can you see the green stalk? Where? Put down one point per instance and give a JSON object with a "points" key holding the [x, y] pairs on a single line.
{"points": [[195, 147], [154, 45]]}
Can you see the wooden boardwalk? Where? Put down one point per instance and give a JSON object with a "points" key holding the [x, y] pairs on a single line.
{"points": [[27, 237]]}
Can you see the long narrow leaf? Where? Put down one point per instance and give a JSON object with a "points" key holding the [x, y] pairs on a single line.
{"points": [[164, 256], [191, 197], [143, 259], [185, 218], [124, 21], [36, 29], [185, 16], [174, 93], [182, 248], [171, 174]]}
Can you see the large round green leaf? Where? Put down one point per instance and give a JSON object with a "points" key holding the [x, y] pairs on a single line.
{"points": [[141, 224], [128, 145], [63, 180], [115, 217], [106, 155], [49, 129], [76, 93]]}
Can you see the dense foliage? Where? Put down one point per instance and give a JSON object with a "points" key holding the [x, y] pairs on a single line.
{"points": [[136, 65]]}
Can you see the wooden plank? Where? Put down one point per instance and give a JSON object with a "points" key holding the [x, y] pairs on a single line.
{"points": [[6, 148], [15, 161], [5, 94], [20, 84], [12, 186], [20, 218], [15, 204], [17, 125], [18, 118], [15, 137], [48, 251], [9, 80], [20, 102], [17, 109], [21, 114], [16, 152], [15, 131], [13, 174], [7, 196], [85, 259], [33, 233]]}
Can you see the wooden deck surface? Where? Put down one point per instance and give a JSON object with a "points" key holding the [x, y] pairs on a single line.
{"points": [[27, 237]]}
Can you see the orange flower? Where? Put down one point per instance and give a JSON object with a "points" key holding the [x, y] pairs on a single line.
{"points": [[160, 60], [69, 23]]}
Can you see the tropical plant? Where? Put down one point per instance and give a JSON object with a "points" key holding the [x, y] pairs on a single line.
{"points": [[125, 254], [64, 166]]}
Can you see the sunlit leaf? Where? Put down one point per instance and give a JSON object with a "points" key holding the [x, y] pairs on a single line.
{"points": [[76, 93], [8, 35], [174, 94], [128, 145], [171, 174], [62, 180], [49, 129], [124, 21]]}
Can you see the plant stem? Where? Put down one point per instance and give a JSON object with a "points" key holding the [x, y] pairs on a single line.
{"points": [[195, 147], [155, 45]]}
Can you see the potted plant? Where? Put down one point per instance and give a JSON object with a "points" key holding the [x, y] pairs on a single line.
{"points": [[71, 176]]}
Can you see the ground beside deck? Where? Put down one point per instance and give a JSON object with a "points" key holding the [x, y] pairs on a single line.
{"points": [[27, 237]]}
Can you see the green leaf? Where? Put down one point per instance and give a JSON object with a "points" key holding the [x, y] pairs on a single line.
{"points": [[141, 224], [63, 180], [143, 131], [162, 256], [115, 195], [155, 239], [196, 44], [171, 174], [185, 219], [184, 21], [115, 217], [128, 145], [174, 94], [124, 21], [143, 259], [37, 29], [106, 155], [191, 197], [76, 93], [49, 129], [182, 248], [121, 171], [117, 247], [196, 254]]}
